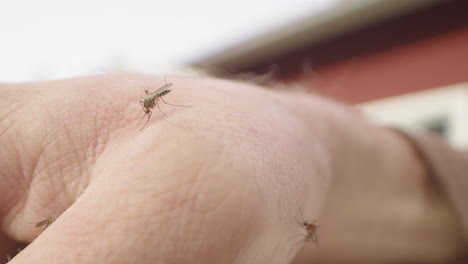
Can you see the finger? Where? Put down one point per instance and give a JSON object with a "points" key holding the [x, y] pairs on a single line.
{"points": [[52, 133]]}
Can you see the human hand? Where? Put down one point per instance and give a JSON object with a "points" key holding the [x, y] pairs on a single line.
{"points": [[220, 182]]}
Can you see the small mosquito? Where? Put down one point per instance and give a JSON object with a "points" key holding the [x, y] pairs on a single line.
{"points": [[311, 229], [44, 223], [151, 100]]}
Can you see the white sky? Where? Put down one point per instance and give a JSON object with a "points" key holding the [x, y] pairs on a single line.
{"points": [[55, 38]]}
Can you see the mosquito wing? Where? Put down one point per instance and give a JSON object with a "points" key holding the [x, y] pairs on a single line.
{"points": [[162, 89]]}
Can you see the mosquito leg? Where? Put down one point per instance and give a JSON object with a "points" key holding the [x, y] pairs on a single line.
{"points": [[295, 236], [159, 107], [315, 239], [174, 104], [144, 110], [298, 222], [149, 116], [294, 247], [301, 224], [143, 117], [302, 215]]}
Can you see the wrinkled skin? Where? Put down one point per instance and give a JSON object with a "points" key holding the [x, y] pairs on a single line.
{"points": [[223, 181]]}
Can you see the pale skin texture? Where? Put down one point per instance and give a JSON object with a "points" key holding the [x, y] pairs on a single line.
{"points": [[220, 182]]}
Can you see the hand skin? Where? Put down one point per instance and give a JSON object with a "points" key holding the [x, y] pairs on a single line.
{"points": [[220, 182]]}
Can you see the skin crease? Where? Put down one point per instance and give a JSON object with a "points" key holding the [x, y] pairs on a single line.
{"points": [[220, 182]]}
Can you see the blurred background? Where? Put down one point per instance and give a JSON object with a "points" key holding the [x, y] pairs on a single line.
{"points": [[56, 39], [403, 62]]}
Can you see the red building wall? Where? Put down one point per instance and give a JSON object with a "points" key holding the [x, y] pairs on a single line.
{"points": [[424, 49], [434, 62]]}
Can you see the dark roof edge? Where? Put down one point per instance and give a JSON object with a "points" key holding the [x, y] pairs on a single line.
{"points": [[311, 30]]}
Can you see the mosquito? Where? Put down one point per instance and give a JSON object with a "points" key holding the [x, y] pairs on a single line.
{"points": [[311, 229], [151, 100], [44, 223]]}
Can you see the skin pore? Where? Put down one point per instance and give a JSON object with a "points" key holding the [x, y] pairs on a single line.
{"points": [[220, 182]]}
